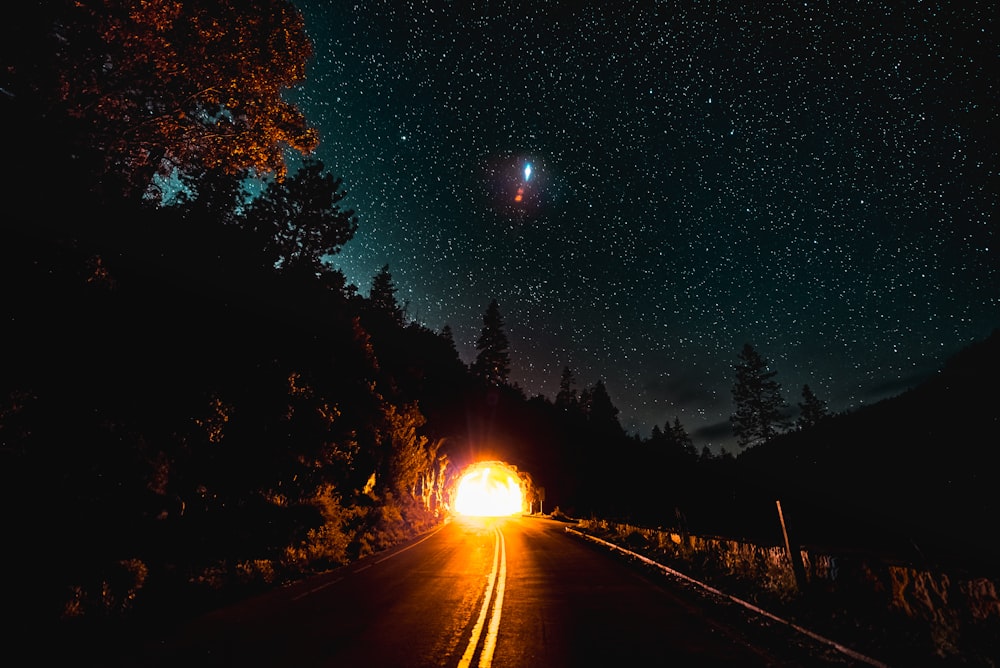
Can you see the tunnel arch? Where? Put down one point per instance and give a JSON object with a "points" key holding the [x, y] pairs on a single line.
{"points": [[491, 488]]}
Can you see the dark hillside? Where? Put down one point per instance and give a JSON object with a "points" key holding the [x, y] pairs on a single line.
{"points": [[913, 472]]}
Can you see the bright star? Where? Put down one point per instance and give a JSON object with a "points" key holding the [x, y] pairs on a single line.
{"points": [[527, 172]]}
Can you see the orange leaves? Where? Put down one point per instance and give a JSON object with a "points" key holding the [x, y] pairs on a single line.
{"points": [[296, 388], [158, 14], [215, 421], [195, 83]]}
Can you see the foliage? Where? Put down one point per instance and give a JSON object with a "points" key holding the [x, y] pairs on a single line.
{"points": [[164, 84], [409, 457], [673, 441], [566, 397], [205, 194], [382, 296], [326, 545], [812, 409], [385, 527], [760, 408], [114, 593], [599, 409], [492, 364], [300, 221]]}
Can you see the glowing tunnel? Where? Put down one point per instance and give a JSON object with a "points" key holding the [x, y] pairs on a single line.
{"points": [[489, 489]]}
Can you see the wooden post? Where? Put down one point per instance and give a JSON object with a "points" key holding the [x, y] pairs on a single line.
{"points": [[794, 556]]}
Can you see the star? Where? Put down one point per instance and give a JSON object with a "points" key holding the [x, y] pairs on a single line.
{"points": [[715, 224]]}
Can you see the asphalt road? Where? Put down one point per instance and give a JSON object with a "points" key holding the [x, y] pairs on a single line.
{"points": [[518, 591]]}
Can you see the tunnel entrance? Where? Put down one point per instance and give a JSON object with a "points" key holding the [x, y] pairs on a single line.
{"points": [[489, 489]]}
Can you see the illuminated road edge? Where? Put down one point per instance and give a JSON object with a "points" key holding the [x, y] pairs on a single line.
{"points": [[498, 577], [746, 604]]}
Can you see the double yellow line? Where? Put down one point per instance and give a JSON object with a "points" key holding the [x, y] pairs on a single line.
{"points": [[495, 584]]}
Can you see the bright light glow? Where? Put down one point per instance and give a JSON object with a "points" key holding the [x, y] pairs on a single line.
{"points": [[527, 172], [489, 490]]}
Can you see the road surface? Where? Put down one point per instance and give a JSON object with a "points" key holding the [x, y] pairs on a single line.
{"points": [[504, 592]]}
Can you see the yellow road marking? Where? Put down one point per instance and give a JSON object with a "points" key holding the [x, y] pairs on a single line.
{"points": [[486, 658], [498, 577]]}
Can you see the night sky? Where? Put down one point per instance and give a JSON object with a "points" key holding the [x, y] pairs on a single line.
{"points": [[817, 179]]}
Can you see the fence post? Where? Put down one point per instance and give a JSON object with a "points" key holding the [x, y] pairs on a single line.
{"points": [[794, 556]]}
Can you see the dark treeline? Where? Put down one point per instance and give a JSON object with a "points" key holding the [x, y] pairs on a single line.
{"points": [[194, 404]]}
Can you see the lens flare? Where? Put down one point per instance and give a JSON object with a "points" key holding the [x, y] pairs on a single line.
{"points": [[489, 491]]}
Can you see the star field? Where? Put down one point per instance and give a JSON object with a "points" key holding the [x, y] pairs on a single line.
{"points": [[816, 179]]}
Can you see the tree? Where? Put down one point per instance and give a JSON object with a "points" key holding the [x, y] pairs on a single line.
{"points": [[673, 442], [812, 409], [492, 363], [163, 84], [598, 407], [211, 195], [656, 435], [409, 458], [760, 407], [300, 220], [679, 439], [448, 335], [383, 296], [566, 396]]}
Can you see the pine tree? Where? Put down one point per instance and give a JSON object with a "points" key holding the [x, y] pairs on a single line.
{"points": [[492, 363], [812, 409], [680, 439], [674, 441], [567, 392], [383, 295], [601, 412], [300, 219], [760, 407], [448, 335]]}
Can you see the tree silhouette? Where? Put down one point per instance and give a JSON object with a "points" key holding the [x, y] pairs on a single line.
{"points": [[492, 363], [383, 296], [566, 396], [812, 409], [679, 440], [672, 442], [211, 195], [448, 336], [760, 407], [599, 409], [300, 219]]}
